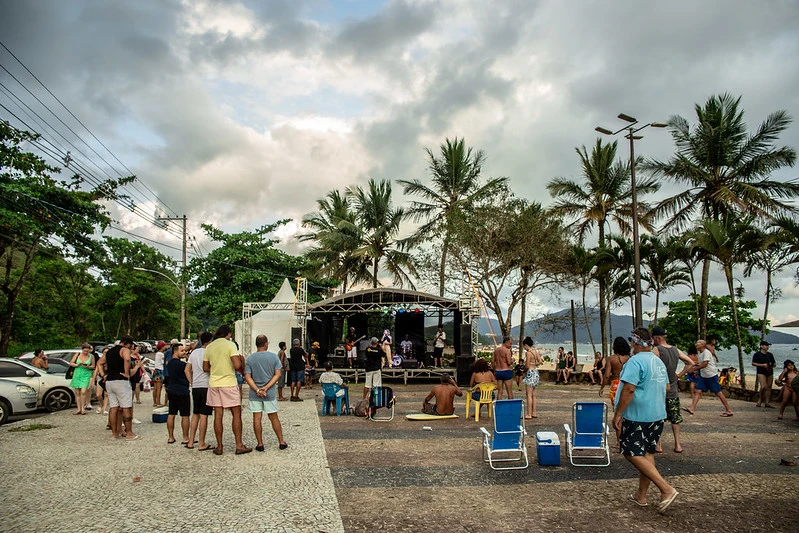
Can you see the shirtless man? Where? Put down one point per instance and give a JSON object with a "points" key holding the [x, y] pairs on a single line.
{"points": [[40, 359], [444, 394], [502, 361]]}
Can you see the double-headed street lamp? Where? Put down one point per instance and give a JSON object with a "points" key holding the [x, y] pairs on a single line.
{"points": [[182, 289], [631, 130]]}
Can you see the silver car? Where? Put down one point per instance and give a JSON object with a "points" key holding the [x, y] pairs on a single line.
{"points": [[16, 398], [52, 390]]}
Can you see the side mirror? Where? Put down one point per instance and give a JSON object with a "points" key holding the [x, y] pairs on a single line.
{"points": [[30, 373]]}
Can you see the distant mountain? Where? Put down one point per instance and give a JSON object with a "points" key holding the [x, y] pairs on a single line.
{"points": [[621, 325]]}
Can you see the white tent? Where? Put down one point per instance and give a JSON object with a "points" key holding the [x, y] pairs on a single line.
{"points": [[275, 321]]}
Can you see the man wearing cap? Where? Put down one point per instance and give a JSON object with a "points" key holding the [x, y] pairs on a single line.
{"points": [[640, 410], [158, 373], [670, 355], [763, 361], [374, 360]]}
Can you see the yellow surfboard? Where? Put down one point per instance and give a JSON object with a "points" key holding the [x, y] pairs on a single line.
{"points": [[423, 416]]}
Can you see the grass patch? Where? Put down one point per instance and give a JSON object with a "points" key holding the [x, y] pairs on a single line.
{"points": [[31, 427]]}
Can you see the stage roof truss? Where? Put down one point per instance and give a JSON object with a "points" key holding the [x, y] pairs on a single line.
{"points": [[397, 300]]}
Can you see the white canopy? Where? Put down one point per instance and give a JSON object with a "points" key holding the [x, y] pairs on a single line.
{"points": [[275, 321]]}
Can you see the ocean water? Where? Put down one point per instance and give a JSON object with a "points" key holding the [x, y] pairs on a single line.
{"points": [[727, 358]]}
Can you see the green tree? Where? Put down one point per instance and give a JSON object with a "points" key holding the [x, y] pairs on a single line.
{"points": [[728, 242], [603, 196], [455, 186], [509, 248], [246, 267], [726, 171], [335, 230], [681, 322], [380, 222], [36, 208], [138, 303]]}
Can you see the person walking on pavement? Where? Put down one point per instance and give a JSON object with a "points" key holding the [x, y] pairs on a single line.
{"points": [[670, 355], [763, 361], [708, 379], [261, 373], [221, 360], [640, 410]]}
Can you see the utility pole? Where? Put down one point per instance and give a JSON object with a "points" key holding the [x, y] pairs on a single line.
{"points": [[182, 277]]}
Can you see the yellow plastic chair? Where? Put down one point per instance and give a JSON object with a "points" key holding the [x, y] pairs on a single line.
{"points": [[486, 391]]}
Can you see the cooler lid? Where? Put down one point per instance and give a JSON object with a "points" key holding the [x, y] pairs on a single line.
{"points": [[547, 437]]}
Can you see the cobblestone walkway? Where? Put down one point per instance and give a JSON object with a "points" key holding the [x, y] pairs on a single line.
{"points": [[75, 478]]}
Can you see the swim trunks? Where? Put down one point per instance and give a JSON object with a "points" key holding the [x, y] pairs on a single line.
{"points": [[505, 375]]}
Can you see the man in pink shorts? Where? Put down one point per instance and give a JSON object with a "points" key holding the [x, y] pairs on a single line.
{"points": [[221, 360]]}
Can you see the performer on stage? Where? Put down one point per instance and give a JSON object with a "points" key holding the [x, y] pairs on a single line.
{"points": [[351, 345], [439, 342], [406, 347], [386, 344]]}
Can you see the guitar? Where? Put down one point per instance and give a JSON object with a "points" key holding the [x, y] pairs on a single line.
{"points": [[350, 345]]}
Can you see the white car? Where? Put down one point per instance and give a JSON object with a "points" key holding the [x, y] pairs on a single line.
{"points": [[52, 390], [15, 399]]}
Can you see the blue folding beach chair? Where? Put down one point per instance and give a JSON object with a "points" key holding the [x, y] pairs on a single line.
{"points": [[381, 397], [590, 434], [331, 396], [506, 443]]}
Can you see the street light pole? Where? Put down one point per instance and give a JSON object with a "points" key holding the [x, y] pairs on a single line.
{"points": [[182, 289], [631, 134], [182, 277]]}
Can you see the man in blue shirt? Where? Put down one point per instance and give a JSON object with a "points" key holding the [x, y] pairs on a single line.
{"points": [[640, 410], [262, 371]]}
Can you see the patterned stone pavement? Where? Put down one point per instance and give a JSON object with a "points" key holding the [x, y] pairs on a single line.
{"points": [[398, 477], [74, 477]]}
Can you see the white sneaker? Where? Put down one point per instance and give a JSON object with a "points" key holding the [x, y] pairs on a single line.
{"points": [[136, 421]]}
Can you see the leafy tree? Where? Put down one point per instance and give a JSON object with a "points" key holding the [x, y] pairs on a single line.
{"points": [[138, 303], [726, 170], [604, 195], [246, 268], [35, 208], [455, 187], [681, 321], [583, 263], [379, 223], [510, 248]]}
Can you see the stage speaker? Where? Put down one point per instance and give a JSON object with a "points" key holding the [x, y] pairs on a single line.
{"points": [[466, 340], [411, 363], [296, 333], [463, 365]]}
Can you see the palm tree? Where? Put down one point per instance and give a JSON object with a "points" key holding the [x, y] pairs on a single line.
{"points": [[379, 222], [603, 196], [728, 242], [662, 273], [583, 262], [455, 186], [775, 255], [726, 171], [335, 230]]}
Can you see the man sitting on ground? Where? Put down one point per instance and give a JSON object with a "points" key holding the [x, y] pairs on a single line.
{"points": [[444, 394]]}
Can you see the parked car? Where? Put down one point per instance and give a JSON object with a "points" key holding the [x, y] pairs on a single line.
{"points": [[52, 390], [55, 365], [57, 360], [16, 398]]}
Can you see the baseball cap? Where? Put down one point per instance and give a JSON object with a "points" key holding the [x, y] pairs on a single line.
{"points": [[658, 331], [765, 343], [174, 341], [160, 345]]}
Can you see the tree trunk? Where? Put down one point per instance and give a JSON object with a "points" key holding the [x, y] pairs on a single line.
{"points": [[603, 316], [657, 304], [8, 321], [610, 322], [702, 317], [728, 274], [442, 272], [374, 273], [768, 298], [523, 318], [12, 292]]}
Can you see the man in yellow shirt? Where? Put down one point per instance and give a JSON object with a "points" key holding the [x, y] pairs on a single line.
{"points": [[221, 360]]}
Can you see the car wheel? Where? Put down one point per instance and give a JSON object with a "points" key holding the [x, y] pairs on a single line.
{"points": [[5, 411], [57, 400]]}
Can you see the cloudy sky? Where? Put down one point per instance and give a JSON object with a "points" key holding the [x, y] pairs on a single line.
{"points": [[240, 113]]}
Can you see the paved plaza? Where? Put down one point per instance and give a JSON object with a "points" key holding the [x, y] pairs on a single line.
{"points": [[349, 474]]}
